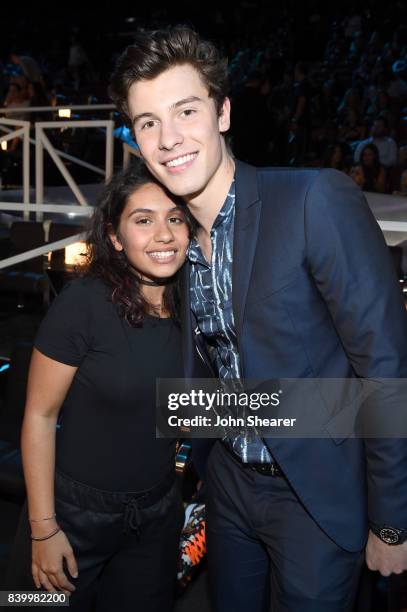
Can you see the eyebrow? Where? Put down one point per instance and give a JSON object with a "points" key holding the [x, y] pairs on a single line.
{"points": [[149, 211], [175, 105]]}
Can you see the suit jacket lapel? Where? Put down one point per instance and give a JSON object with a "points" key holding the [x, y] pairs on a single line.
{"points": [[247, 216]]}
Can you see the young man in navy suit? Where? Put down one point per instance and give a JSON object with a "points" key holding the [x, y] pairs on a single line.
{"points": [[288, 277]]}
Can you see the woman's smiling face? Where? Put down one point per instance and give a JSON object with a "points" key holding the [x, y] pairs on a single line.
{"points": [[153, 233]]}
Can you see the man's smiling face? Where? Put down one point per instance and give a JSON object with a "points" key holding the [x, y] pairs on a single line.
{"points": [[178, 129]]}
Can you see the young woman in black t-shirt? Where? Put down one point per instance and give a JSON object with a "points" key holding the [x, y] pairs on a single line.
{"points": [[104, 513]]}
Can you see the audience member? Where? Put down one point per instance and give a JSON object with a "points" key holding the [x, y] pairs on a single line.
{"points": [[351, 100], [353, 128], [38, 97], [398, 85], [28, 65], [403, 185], [380, 106], [386, 145], [336, 157], [358, 175], [403, 157], [17, 97], [373, 170], [79, 64]]}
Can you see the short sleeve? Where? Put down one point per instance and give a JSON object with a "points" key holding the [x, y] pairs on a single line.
{"points": [[65, 334]]}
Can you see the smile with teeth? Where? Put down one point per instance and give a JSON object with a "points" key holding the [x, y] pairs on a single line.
{"points": [[181, 160], [162, 255]]}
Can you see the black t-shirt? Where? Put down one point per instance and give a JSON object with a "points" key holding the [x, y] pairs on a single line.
{"points": [[106, 437]]}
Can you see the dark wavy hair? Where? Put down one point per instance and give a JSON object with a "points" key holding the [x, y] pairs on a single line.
{"points": [[371, 172], [103, 261], [154, 51]]}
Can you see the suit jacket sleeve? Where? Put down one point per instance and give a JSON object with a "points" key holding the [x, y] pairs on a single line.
{"points": [[353, 270]]}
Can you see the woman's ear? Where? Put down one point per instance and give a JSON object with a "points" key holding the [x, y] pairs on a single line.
{"points": [[114, 238]]}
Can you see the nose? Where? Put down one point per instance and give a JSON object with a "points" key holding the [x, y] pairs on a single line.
{"points": [[170, 137], [163, 232]]}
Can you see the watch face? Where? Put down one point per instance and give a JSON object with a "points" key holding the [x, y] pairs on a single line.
{"points": [[389, 535]]}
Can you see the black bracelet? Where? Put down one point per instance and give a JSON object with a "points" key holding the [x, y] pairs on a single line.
{"points": [[36, 539]]}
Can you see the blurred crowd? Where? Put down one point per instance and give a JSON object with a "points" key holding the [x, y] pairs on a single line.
{"points": [[25, 82], [347, 111], [310, 87], [31, 83]]}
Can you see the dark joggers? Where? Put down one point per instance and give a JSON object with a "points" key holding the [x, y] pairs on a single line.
{"points": [[125, 544]]}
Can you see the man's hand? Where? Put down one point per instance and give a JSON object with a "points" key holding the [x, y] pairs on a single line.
{"points": [[385, 558]]}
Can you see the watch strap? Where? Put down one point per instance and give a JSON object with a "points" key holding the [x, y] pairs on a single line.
{"points": [[388, 534]]}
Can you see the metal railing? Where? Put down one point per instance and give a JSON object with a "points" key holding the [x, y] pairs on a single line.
{"points": [[391, 226], [49, 246], [23, 130], [127, 151], [9, 110], [42, 142]]}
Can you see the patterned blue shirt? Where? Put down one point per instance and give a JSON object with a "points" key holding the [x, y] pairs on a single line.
{"points": [[211, 302]]}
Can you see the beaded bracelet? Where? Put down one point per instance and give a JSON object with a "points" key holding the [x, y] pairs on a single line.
{"points": [[37, 539]]}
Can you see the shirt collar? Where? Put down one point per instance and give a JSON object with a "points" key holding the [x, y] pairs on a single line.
{"points": [[227, 207], [194, 252]]}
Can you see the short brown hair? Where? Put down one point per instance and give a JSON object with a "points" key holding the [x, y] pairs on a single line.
{"points": [[154, 51]]}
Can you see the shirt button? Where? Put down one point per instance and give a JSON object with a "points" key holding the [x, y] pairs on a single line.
{"points": [[222, 305]]}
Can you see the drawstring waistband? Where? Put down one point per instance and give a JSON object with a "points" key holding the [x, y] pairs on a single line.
{"points": [[129, 503], [132, 517]]}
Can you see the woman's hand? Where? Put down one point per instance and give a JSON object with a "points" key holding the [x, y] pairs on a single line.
{"points": [[47, 558]]}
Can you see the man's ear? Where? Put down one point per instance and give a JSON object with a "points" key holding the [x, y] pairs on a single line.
{"points": [[224, 117], [114, 238]]}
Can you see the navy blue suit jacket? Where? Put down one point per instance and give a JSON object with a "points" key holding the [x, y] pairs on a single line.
{"points": [[315, 295]]}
